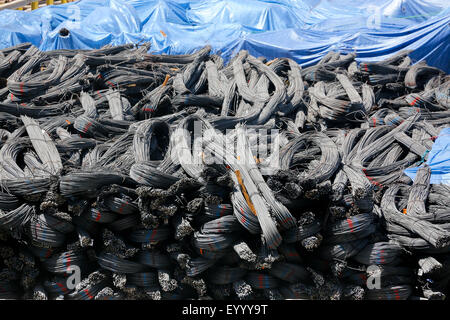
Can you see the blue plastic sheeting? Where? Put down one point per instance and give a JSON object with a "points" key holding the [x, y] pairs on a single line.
{"points": [[429, 41], [438, 160], [303, 30]]}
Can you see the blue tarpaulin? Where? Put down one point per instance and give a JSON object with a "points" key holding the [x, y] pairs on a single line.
{"points": [[438, 160], [303, 30]]}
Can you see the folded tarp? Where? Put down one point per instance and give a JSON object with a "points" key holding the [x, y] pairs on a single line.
{"points": [[429, 40]]}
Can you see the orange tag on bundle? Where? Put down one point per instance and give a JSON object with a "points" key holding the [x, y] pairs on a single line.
{"points": [[270, 62], [166, 80], [244, 191]]}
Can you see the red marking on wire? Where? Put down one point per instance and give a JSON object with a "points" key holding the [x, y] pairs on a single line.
{"points": [[98, 216], [68, 263], [243, 220], [64, 289], [21, 87], [153, 234], [397, 296], [350, 224], [122, 206], [414, 102], [87, 126], [374, 182], [88, 294]]}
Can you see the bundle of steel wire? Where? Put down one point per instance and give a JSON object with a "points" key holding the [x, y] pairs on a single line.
{"points": [[189, 177]]}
